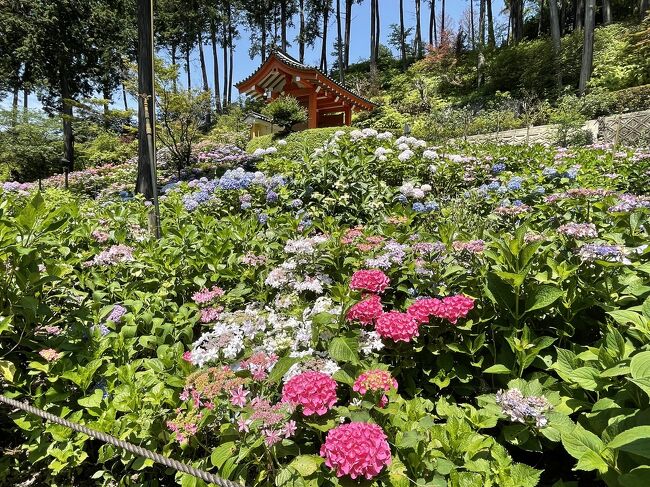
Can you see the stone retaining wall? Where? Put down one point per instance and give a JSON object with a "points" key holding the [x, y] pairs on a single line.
{"points": [[626, 129]]}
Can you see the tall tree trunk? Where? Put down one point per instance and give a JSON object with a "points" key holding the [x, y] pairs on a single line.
{"points": [[541, 18], [188, 68], [556, 37], [323, 53], [607, 12], [418, 31], [301, 33], [402, 40], [644, 6], [580, 12], [263, 36], [232, 56], [563, 11], [68, 135], [225, 65], [14, 106], [339, 39], [106, 92], [283, 27], [492, 42], [204, 76], [481, 24], [433, 36], [443, 13], [472, 31], [377, 29], [588, 47], [215, 66], [172, 51], [126, 103], [373, 35], [348, 31], [144, 182], [517, 20], [481, 42]]}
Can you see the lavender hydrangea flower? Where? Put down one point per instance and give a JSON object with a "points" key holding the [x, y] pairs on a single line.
{"points": [[117, 313], [523, 409]]}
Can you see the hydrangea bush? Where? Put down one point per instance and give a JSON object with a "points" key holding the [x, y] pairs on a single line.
{"points": [[389, 313]]}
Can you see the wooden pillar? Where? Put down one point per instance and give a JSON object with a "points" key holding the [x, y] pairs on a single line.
{"points": [[313, 113], [348, 115]]}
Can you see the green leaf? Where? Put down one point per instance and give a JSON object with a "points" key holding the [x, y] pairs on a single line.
{"points": [[542, 297], [222, 453], [586, 377], [92, 401], [524, 476], [635, 440], [640, 365], [281, 367], [579, 441], [637, 477], [306, 465], [344, 349], [8, 370], [591, 460], [497, 369]]}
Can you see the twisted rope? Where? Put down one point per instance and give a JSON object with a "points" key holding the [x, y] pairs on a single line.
{"points": [[125, 445]]}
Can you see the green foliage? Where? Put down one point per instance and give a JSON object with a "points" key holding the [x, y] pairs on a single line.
{"points": [[569, 118], [30, 145], [286, 111], [106, 147], [298, 148]]}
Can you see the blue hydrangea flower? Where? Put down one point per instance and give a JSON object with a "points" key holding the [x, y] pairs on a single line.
{"points": [[549, 172], [417, 206], [498, 167], [262, 218], [493, 186], [271, 196], [571, 173], [515, 183]]}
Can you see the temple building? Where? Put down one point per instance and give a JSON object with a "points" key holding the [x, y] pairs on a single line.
{"points": [[328, 103]]}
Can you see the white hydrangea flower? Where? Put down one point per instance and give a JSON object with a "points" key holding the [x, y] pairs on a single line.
{"points": [[406, 155]]}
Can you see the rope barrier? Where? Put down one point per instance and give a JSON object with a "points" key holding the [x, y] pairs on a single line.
{"points": [[125, 445]]}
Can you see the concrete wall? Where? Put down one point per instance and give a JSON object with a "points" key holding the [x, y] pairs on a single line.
{"points": [[626, 129]]}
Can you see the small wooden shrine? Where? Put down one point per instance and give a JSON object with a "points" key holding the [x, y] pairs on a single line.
{"points": [[328, 103]]}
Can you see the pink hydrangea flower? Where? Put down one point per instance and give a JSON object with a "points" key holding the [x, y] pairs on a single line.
{"points": [[366, 311], [187, 356], [375, 380], [422, 309], [314, 391], [100, 236], [209, 315], [50, 354], [456, 307], [450, 308], [399, 327], [357, 450], [206, 295], [373, 280], [238, 397]]}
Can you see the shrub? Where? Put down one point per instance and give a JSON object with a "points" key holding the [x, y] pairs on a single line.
{"points": [[299, 146], [106, 148], [286, 111]]}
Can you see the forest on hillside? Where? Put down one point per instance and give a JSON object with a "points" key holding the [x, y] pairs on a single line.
{"points": [[79, 59]]}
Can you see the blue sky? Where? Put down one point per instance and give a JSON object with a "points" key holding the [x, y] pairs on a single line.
{"points": [[359, 45], [360, 38]]}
